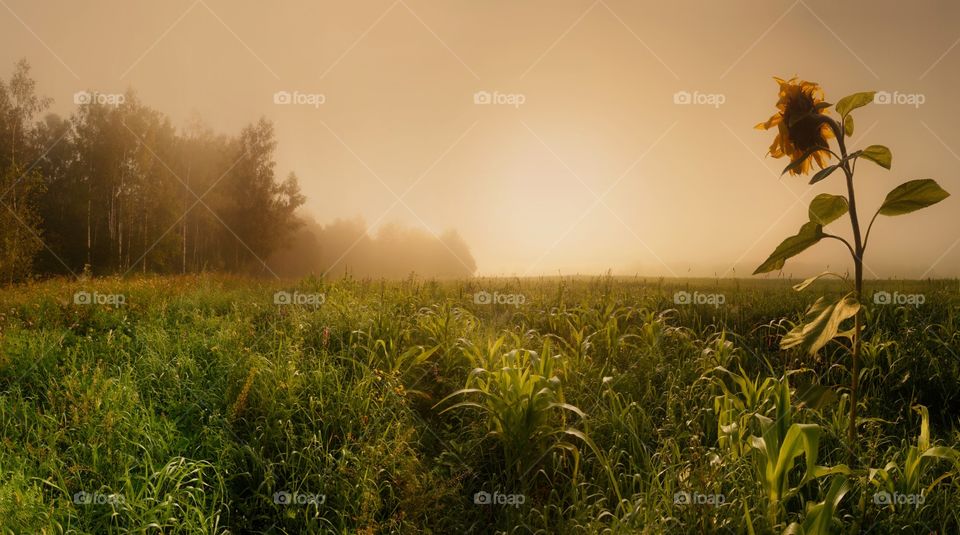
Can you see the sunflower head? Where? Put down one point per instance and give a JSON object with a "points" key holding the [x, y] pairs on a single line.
{"points": [[800, 123]]}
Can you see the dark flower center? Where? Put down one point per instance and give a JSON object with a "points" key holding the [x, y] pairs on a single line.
{"points": [[805, 125]]}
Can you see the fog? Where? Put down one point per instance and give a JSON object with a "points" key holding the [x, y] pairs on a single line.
{"points": [[546, 134], [347, 248]]}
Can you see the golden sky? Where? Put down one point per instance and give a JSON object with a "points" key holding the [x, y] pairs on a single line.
{"points": [[583, 160]]}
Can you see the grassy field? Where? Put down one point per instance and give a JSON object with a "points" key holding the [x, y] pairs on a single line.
{"points": [[215, 405]]}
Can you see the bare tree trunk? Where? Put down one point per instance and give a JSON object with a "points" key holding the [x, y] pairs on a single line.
{"points": [[89, 217], [183, 228], [145, 251]]}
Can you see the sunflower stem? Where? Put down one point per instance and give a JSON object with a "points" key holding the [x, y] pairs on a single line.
{"points": [[845, 242], [858, 271]]}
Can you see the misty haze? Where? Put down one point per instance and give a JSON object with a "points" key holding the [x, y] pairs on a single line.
{"points": [[409, 266]]}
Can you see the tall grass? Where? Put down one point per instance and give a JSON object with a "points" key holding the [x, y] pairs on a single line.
{"points": [[595, 405]]}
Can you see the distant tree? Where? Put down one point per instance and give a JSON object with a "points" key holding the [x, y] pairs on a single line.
{"points": [[203, 158], [58, 207], [261, 211], [20, 183]]}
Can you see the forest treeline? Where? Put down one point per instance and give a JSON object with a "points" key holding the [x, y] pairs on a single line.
{"points": [[115, 188]]}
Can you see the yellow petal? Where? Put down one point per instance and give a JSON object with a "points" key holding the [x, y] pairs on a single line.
{"points": [[769, 123]]}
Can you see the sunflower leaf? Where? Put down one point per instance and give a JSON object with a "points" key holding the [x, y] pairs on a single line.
{"points": [[848, 125], [912, 196], [823, 320], [809, 234], [826, 208], [798, 162], [823, 173], [854, 101], [879, 155], [803, 285]]}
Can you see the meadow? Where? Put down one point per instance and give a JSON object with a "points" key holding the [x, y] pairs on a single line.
{"points": [[215, 404]]}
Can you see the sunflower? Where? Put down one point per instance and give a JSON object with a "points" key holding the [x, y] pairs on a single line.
{"points": [[802, 125]]}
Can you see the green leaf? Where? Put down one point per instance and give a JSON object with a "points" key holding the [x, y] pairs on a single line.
{"points": [[803, 285], [826, 208], [820, 517], [854, 101], [779, 446], [923, 440], [823, 173], [878, 154], [941, 452], [809, 234], [848, 125], [460, 392], [801, 439], [822, 321], [824, 471], [568, 407], [912, 196], [748, 520]]}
